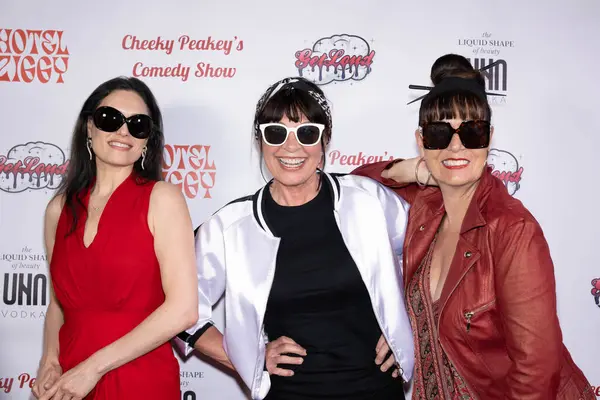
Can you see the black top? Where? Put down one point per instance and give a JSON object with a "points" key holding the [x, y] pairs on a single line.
{"points": [[319, 300]]}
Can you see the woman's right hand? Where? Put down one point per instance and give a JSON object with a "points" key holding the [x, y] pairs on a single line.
{"points": [[278, 353], [48, 374]]}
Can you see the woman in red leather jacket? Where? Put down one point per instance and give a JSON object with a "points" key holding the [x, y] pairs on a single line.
{"points": [[479, 279]]}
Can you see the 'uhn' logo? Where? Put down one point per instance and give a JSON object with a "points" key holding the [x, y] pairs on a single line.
{"points": [[335, 58]]}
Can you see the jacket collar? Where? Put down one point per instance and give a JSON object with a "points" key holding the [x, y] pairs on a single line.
{"points": [[473, 218], [258, 200]]}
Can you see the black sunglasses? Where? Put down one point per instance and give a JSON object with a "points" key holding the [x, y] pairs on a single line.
{"points": [[110, 119], [473, 134]]}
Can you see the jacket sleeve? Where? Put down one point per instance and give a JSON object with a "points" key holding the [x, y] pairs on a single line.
{"points": [[407, 191], [526, 296], [210, 264], [395, 210]]}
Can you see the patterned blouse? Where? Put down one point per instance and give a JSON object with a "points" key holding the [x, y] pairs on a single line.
{"points": [[435, 376]]}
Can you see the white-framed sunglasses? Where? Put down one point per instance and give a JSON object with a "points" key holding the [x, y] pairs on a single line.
{"points": [[276, 134]]}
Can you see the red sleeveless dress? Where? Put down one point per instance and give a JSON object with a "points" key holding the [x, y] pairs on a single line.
{"points": [[107, 289]]}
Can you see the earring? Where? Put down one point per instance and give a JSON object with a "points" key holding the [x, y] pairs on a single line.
{"points": [[88, 144], [421, 185], [144, 150]]}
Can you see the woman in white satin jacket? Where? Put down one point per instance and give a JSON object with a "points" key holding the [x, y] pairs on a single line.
{"points": [[310, 265]]}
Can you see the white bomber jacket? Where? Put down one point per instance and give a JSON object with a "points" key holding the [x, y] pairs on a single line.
{"points": [[236, 253]]}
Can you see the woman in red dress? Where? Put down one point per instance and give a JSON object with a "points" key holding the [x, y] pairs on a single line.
{"points": [[121, 251]]}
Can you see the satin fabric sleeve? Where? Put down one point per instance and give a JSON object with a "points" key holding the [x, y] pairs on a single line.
{"points": [[395, 210], [210, 265]]}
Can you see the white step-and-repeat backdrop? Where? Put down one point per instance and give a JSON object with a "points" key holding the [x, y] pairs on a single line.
{"points": [[208, 62]]}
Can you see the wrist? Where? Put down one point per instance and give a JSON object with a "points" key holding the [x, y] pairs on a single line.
{"points": [[99, 363], [50, 358]]}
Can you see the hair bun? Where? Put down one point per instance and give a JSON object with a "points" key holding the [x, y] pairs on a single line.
{"points": [[454, 66]]}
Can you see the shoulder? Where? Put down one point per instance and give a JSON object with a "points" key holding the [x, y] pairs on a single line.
{"points": [[507, 214], [164, 193], [54, 208], [231, 212]]}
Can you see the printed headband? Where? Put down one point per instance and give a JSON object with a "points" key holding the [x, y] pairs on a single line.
{"points": [[291, 83]]}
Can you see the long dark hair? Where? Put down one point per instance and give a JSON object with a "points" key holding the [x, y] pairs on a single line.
{"points": [[82, 170], [294, 100]]}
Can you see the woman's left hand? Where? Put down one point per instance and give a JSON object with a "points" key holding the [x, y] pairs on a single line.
{"points": [[382, 350], [74, 384]]}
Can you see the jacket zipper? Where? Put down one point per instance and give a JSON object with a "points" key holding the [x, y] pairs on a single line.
{"points": [[470, 314], [438, 329]]}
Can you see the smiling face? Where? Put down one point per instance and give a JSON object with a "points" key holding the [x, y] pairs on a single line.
{"points": [[455, 165], [292, 164], [118, 148]]}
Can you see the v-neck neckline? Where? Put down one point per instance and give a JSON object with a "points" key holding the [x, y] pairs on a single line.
{"points": [[86, 202]]}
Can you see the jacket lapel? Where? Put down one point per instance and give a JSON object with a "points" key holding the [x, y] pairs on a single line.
{"points": [[424, 223]]}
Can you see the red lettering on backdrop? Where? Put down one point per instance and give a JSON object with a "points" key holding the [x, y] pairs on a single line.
{"points": [[34, 168], [508, 176], [28, 55], [25, 378], [356, 159], [335, 58], [189, 167], [24, 381]]}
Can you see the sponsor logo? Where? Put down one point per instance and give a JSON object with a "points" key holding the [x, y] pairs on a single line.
{"points": [[191, 168], [23, 381], [505, 167], [356, 160], [185, 379], [495, 76], [33, 55], [32, 166], [487, 55], [188, 395], [335, 59], [596, 291], [24, 290]]}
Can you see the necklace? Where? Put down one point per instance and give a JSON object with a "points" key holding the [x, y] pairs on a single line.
{"points": [[98, 207]]}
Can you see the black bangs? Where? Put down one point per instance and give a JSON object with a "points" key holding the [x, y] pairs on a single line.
{"points": [[461, 104], [293, 103]]}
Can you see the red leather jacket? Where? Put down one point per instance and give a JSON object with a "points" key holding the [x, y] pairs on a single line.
{"points": [[498, 321]]}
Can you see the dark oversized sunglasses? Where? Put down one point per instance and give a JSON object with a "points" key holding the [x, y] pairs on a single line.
{"points": [[110, 119], [438, 135]]}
